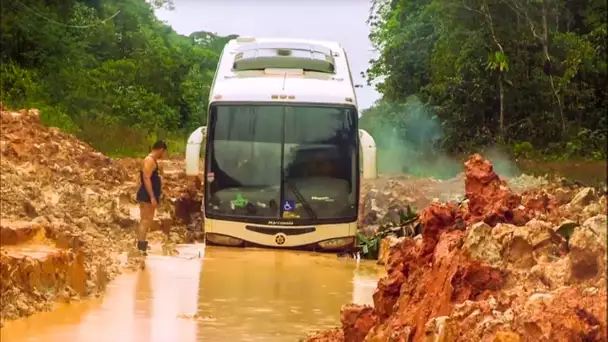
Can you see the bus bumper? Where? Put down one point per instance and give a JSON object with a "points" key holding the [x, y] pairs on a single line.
{"points": [[329, 237]]}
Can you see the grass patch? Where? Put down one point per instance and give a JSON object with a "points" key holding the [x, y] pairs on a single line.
{"points": [[117, 141]]}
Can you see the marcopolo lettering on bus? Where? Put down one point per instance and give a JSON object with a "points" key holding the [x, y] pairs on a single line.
{"points": [[322, 198]]}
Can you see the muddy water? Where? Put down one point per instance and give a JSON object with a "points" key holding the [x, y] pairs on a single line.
{"points": [[226, 295]]}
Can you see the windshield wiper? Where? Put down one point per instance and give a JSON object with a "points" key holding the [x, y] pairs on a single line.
{"points": [[302, 200]]}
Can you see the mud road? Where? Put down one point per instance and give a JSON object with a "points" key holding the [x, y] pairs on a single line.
{"points": [[225, 295]]}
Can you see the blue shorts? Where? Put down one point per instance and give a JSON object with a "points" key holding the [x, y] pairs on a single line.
{"points": [[142, 195]]}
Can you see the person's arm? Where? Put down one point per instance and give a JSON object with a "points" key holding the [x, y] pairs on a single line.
{"points": [[149, 167]]}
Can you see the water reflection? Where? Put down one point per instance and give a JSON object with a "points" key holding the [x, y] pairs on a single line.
{"points": [[229, 295], [142, 307], [266, 295]]}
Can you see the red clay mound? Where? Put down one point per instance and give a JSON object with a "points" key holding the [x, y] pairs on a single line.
{"points": [[426, 278], [490, 200], [488, 272]]}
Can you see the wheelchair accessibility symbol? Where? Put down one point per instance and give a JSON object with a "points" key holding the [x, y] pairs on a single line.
{"points": [[280, 239], [289, 205]]}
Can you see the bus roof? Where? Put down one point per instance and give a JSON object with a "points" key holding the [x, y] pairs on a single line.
{"points": [[286, 84]]}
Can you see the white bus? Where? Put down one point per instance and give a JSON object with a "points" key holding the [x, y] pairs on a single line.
{"points": [[282, 147]]}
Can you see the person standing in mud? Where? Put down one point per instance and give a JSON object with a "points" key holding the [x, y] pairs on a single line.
{"points": [[149, 192]]}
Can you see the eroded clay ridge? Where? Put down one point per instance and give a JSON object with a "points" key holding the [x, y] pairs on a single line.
{"points": [[502, 267], [66, 216]]}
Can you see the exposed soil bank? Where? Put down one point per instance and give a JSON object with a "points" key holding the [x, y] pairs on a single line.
{"points": [[67, 214]]}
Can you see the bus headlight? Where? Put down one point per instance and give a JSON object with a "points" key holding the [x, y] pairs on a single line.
{"points": [[337, 243], [223, 240]]}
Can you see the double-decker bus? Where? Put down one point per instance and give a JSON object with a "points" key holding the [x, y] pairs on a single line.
{"points": [[283, 152]]}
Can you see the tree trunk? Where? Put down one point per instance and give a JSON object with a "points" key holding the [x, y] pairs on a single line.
{"points": [[559, 104], [501, 136], [545, 42]]}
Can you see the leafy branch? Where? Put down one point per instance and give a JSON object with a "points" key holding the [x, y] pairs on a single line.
{"points": [[408, 225]]}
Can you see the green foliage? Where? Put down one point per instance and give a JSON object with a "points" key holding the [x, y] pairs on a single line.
{"points": [[109, 72], [523, 149], [408, 225], [18, 84], [460, 57], [498, 61]]}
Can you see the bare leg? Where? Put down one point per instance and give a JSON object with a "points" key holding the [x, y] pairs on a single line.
{"points": [[146, 211], [143, 217]]}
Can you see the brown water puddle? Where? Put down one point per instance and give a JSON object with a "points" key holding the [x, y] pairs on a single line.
{"points": [[228, 295]]}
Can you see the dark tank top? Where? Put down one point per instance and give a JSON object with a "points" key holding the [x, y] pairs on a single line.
{"points": [[142, 194]]}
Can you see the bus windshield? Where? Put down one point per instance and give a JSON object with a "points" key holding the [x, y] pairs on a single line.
{"points": [[295, 162]]}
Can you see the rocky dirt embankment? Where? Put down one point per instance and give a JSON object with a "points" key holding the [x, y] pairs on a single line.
{"points": [[67, 216], [383, 197], [500, 266]]}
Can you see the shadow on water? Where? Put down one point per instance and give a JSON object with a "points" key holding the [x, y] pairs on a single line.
{"points": [[229, 295]]}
